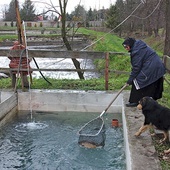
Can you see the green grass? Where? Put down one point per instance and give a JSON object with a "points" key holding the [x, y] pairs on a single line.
{"points": [[103, 41], [160, 147], [8, 37]]}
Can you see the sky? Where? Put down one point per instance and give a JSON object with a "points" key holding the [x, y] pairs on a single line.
{"points": [[94, 4]]}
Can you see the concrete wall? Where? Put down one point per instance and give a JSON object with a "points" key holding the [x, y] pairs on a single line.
{"points": [[5, 95], [69, 100], [64, 100], [8, 107]]}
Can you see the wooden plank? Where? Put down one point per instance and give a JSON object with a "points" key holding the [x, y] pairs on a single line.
{"points": [[4, 51], [51, 53], [65, 54], [4, 70], [44, 43], [51, 69], [119, 53]]}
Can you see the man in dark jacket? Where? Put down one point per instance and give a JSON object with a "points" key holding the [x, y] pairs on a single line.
{"points": [[147, 71]]}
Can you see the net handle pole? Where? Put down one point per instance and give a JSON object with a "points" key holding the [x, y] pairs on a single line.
{"points": [[104, 111]]}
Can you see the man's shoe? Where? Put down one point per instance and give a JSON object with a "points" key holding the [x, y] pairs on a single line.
{"points": [[131, 104]]}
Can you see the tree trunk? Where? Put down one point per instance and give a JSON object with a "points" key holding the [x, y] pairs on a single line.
{"points": [[167, 34], [66, 42], [149, 27]]}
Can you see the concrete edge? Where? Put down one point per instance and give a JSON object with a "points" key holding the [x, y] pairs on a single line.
{"points": [[127, 148], [69, 100]]}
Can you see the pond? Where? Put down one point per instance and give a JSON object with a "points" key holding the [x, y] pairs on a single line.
{"points": [[50, 141], [57, 64]]}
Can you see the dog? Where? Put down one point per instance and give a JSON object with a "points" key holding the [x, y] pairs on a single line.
{"points": [[155, 115]]}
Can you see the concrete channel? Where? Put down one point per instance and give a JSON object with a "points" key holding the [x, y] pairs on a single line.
{"points": [[140, 152]]}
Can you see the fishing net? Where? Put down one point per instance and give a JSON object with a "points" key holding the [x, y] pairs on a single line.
{"points": [[93, 132]]}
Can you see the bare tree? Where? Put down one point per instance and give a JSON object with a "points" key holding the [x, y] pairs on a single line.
{"points": [[62, 14], [64, 36]]}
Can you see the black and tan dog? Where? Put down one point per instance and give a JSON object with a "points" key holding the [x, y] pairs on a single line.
{"points": [[155, 115]]}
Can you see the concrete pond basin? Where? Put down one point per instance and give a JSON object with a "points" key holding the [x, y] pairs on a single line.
{"points": [[140, 152]]}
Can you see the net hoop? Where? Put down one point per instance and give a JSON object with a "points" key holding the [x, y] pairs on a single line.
{"points": [[88, 123]]}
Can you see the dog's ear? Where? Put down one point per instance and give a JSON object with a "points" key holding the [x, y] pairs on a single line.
{"points": [[142, 101], [148, 103]]}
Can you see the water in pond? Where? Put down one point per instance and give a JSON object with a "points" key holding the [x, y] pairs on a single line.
{"points": [[54, 63], [49, 142]]}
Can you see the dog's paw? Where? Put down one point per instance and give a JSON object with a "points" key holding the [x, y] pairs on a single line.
{"points": [[137, 134], [162, 140], [153, 134]]}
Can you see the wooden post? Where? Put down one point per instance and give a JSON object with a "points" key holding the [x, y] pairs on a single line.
{"points": [[13, 79], [24, 81], [106, 71]]}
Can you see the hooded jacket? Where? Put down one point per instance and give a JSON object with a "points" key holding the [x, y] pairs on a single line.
{"points": [[147, 67]]}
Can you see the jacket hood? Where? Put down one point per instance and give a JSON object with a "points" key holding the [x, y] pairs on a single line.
{"points": [[138, 45]]}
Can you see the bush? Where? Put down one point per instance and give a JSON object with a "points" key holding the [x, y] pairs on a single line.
{"points": [[41, 24], [12, 23]]}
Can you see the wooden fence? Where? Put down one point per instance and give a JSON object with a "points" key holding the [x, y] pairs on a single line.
{"points": [[51, 53]]}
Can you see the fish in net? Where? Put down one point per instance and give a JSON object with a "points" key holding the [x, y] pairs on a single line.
{"points": [[93, 133]]}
